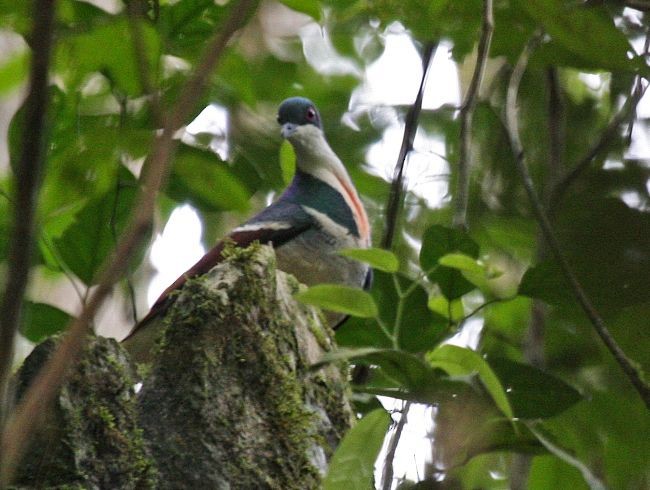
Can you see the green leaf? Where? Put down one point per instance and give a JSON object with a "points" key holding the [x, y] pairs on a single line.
{"points": [[452, 310], [342, 299], [533, 393], [190, 23], [588, 33], [287, 161], [201, 178], [40, 321], [402, 375], [554, 447], [86, 244], [472, 269], [546, 282], [87, 53], [458, 361], [13, 71], [310, 7], [352, 465], [377, 258], [407, 370], [362, 332], [419, 328], [462, 262], [437, 242]]}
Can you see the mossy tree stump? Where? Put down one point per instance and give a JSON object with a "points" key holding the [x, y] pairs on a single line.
{"points": [[229, 402]]}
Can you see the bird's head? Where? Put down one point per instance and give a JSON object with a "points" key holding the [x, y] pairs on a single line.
{"points": [[303, 128], [297, 114]]}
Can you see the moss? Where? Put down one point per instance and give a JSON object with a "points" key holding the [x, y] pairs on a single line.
{"points": [[229, 402], [240, 393], [91, 439]]}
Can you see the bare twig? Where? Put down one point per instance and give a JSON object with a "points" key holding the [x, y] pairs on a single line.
{"points": [[461, 199], [387, 474], [632, 371], [410, 128], [597, 147], [36, 400], [627, 111], [27, 177]]}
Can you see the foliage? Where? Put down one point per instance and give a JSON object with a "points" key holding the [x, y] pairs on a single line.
{"points": [[578, 412]]}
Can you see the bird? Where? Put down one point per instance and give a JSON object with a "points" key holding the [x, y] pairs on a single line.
{"points": [[317, 215]]}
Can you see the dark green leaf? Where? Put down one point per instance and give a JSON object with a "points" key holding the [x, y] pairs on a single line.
{"points": [[588, 33], [546, 282], [437, 242], [40, 320], [362, 332], [533, 393], [554, 447], [419, 328], [87, 243], [188, 24], [353, 463], [310, 7], [411, 372], [459, 361], [201, 178], [88, 52]]}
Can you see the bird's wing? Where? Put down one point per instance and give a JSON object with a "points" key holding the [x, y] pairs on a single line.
{"points": [[275, 225]]}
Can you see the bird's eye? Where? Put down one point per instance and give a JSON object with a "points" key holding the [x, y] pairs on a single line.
{"points": [[311, 114]]}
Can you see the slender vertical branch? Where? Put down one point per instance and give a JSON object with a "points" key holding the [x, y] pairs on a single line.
{"points": [[461, 199], [34, 404], [387, 473], [135, 16], [27, 177], [410, 128], [632, 371]]}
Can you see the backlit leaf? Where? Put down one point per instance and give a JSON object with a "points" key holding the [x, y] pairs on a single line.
{"points": [[342, 299]]}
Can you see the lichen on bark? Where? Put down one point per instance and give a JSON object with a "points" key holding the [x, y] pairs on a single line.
{"points": [[232, 383]]}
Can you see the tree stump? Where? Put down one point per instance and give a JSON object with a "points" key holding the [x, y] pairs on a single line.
{"points": [[230, 400]]}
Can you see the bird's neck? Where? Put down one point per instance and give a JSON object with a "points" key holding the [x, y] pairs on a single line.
{"points": [[316, 158]]}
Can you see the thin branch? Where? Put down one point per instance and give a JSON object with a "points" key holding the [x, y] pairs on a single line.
{"points": [[643, 5], [632, 371], [135, 17], [410, 128], [35, 403], [387, 474], [609, 133], [480, 307], [27, 176], [461, 199]]}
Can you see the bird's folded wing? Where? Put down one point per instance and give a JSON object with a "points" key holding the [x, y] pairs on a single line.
{"points": [[275, 225]]}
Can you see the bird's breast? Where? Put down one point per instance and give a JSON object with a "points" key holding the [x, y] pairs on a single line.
{"points": [[313, 258]]}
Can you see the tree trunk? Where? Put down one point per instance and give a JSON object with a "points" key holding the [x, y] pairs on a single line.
{"points": [[229, 402]]}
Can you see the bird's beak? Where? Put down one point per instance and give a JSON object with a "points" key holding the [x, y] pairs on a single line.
{"points": [[288, 129]]}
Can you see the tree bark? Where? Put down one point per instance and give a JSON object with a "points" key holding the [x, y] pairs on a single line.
{"points": [[230, 400]]}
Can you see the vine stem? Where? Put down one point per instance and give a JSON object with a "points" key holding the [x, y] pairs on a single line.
{"points": [[461, 199], [410, 128], [632, 371], [29, 414], [27, 178]]}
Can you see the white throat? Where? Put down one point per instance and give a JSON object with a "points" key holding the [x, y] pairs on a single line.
{"points": [[315, 157]]}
